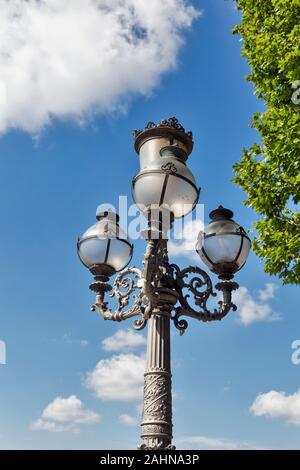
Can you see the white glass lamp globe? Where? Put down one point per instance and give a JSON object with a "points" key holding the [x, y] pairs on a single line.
{"points": [[105, 244], [223, 245], [168, 183]]}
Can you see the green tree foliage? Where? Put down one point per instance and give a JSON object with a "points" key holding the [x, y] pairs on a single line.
{"points": [[269, 172]]}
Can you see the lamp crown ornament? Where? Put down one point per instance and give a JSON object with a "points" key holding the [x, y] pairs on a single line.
{"points": [[171, 122], [161, 292], [221, 214], [170, 128]]}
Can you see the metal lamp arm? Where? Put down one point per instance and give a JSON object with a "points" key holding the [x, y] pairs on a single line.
{"points": [[129, 281], [198, 290], [126, 283]]}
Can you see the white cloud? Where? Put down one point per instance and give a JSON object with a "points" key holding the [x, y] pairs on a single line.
{"points": [[268, 292], [64, 415], [208, 443], [52, 426], [186, 245], [118, 378], [250, 310], [278, 405], [123, 340], [2, 94], [72, 58], [128, 420], [70, 410]]}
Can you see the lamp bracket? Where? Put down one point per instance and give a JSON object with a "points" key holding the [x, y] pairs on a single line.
{"points": [[181, 292]]}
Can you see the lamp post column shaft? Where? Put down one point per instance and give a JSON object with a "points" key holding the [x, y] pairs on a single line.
{"points": [[157, 406]]}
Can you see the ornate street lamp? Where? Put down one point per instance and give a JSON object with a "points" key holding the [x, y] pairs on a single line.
{"points": [[164, 189]]}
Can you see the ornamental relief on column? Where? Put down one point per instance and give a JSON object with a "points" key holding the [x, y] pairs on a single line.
{"points": [[157, 397]]}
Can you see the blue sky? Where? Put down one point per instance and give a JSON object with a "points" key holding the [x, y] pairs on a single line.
{"points": [[54, 171]]}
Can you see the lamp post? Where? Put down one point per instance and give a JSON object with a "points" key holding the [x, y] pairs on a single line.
{"points": [[164, 189]]}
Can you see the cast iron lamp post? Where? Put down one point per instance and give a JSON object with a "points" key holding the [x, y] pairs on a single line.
{"points": [[163, 189]]}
